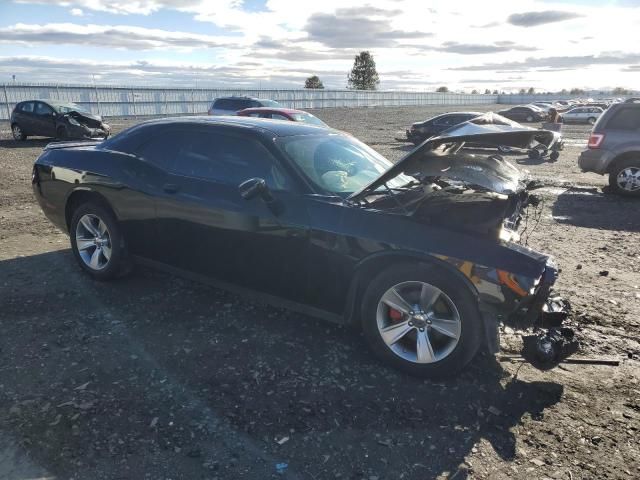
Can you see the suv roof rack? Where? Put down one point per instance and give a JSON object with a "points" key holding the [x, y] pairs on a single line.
{"points": [[632, 100]]}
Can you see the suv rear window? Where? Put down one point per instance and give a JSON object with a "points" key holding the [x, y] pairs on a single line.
{"points": [[625, 119], [234, 104]]}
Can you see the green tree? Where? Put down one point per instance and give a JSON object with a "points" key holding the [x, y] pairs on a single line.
{"points": [[363, 75], [474, 92], [487, 91], [313, 82], [442, 89], [564, 91], [531, 91], [495, 92], [620, 91], [522, 91], [576, 91]]}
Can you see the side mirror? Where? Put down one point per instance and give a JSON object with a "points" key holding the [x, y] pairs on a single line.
{"points": [[257, 187], [254, 187]]}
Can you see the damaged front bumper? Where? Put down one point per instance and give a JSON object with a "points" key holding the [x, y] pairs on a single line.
{"points": [[551, 342]]}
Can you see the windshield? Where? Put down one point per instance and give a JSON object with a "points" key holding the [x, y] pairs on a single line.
{"points": [[69, 107], [269, 103], [308, 118], [338, 163]]}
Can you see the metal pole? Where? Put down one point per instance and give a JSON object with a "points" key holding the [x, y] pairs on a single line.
{"points": [[6, 101], [97, 98], [133, 97]]}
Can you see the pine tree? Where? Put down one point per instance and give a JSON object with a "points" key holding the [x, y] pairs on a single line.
{"points": [[363, 75]]}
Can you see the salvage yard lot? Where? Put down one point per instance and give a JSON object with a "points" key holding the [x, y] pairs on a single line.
{"points": [[157, 377]]}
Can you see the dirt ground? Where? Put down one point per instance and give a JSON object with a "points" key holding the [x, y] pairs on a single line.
{"points": [[156, 377]]}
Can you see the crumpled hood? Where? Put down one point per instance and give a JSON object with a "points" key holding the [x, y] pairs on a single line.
{"points": [[442, 156], [85, 117]]}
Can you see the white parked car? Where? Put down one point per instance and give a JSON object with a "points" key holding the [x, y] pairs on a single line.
{"points": [[582, 115]]}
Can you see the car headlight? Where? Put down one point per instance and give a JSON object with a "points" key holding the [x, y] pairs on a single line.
{"points": [[73, 121]]}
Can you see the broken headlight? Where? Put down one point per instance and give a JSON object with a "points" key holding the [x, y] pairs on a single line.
{"points": [[508, 235]]}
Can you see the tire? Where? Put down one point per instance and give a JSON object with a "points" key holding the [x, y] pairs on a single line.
{"points": [[529, 119], [442, 355], [534, 154], [98, 245], [624, 177], [17, 132], [61, 133], [553, 156], [591, 120]]}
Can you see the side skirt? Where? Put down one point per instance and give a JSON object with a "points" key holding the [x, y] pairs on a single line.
{"points": [[259, 297]]}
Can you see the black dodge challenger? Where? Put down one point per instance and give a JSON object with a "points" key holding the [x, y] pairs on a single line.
{"points": [[422, 255]]}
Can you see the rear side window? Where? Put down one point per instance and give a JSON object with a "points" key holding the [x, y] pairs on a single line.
{"points": [[27, 107], [222, 104], [625, 119]]}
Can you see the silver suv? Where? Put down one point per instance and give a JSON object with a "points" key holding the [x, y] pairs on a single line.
{"points": [[614, 147], [232, 105]]}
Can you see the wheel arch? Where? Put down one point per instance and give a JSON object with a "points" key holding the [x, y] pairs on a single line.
{"points": [[621, 158], [84, 195], [370, 266]]}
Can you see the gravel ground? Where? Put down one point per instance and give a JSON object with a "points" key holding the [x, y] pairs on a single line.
{"points": [[157, 377]]}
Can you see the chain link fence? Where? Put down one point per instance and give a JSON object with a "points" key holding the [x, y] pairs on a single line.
{"points": [[119, 101]]}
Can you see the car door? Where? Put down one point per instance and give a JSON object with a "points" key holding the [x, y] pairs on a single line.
{"points": [[44, 120], [25, 118], [205, 226]]}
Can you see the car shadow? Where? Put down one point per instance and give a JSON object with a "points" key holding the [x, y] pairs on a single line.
{"points": [[591, 208], [28, 143], [197, 379]]}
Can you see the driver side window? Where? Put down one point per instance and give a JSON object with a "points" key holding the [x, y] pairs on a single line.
{"points": [[43, 109], [217, 156]]}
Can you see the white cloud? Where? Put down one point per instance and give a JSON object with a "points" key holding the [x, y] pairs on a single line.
{"points": [[453, 42], [76, 12], [109, 36]]}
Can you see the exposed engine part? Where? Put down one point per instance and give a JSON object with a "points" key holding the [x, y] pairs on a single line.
{"points": [[546, 350], [554, 312]]}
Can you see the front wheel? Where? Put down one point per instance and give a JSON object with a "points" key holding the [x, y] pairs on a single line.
{"points": [[624, 178], [421, 320], [97, 243], [61, 133]]}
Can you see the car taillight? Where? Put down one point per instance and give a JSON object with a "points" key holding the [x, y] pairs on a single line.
{"points": [[595, 140]]}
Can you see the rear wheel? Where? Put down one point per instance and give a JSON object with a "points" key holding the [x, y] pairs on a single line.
{"points": [[17, 132], [421, 320], [97, 242], [624, 178]]}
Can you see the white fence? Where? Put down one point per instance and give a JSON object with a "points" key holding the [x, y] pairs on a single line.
{"points": [[117, 101], [113, 101]]}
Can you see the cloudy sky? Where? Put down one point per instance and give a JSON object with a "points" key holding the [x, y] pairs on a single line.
{"points": [[417, 44]]}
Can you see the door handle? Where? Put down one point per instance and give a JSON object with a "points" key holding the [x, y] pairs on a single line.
{"points": [[170, 188]]}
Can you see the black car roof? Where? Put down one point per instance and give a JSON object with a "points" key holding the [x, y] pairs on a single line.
{"points": [[278, 128]]}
